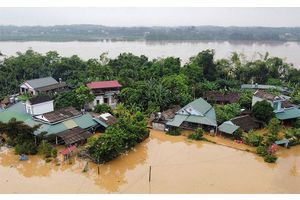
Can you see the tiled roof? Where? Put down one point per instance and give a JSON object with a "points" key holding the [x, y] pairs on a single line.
{"points": [[267, 96], [216, 96], [61, 114], [74, 135], [104, 84], [41, 82], [52, 87]]}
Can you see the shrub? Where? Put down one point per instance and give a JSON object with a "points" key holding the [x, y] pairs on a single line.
{"points": [[296, 124], [252, 138], [102, 108], [195, 136], [261, 150], [174, 131], [26, 148], [238, 134], [198, 135], [270, 158], [46, 149], [54, 153]]}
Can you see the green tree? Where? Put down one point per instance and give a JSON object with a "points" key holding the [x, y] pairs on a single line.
{"points": [[84, 95], [263, 111], [102, 108], [246, 100], [227, 112]]}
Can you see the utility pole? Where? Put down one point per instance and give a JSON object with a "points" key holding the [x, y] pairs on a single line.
{"points": [[150, 174], [150, 179]]}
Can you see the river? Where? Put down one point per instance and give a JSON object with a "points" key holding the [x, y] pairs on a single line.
{"points": [[178, 166], [290, 51]]}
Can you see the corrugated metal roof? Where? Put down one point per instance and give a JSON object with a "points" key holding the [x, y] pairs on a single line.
{"points": [[199, 105], [85, 121], [207, 114], [70, 123], [101, 122], [288, 114], [228, 127], [177, 120], [18, 111], [41, 82]]}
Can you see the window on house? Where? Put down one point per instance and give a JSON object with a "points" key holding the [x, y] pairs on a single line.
{"points": [[106, 100]]}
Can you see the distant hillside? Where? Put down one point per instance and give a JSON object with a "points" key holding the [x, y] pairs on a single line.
{"points": [[98, 32]]}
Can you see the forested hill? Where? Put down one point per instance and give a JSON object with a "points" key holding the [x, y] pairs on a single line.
{"points": [[98, 32]]}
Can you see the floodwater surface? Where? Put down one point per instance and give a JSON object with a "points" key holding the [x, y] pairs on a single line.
{"points": [[177, 166], [153, 49]]}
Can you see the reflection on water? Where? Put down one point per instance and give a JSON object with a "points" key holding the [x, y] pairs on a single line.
{"points": [[156, 49], [178, 166]]}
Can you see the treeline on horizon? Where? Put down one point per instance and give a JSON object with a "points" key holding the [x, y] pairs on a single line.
{"points": [[99, 33], [148, 85]]}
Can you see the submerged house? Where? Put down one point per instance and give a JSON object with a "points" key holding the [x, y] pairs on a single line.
{"points": [[244, 122], [64, 126], [221, 98], [198, 113], [105, 92], [47, 85], [283, 109]]}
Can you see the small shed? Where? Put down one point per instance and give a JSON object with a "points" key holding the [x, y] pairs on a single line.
{"points": [[67, 152], [246, 123], [228, 127]]}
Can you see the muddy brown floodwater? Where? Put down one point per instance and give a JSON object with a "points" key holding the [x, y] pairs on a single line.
{"points": [[178, 166]]}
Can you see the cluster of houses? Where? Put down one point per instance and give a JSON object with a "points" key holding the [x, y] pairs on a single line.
{"points": [[64, 126], [200, 112], [69, 126]]}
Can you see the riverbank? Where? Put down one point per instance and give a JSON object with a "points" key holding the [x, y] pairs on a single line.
{"points": [[178, 165]]}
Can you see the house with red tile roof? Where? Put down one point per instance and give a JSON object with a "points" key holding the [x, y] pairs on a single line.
{"points": [[105, 92]]}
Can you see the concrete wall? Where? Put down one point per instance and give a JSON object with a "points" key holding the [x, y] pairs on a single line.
{"points": [[40, 108]]}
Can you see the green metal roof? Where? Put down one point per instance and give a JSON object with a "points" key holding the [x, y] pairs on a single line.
{"points": [[228, 127], [101, 122], [288, 114], [15, 111], [177, 120], [199, 105], [207, 117], [18, 111]]}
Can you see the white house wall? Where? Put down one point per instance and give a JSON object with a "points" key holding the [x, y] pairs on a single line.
{"points": [[40, 108]]}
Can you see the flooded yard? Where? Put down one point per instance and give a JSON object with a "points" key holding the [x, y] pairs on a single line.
{"points": [[177, 166]]}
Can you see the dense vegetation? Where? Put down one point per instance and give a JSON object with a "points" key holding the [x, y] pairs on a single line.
{"points": [[98, 32], [148, 85], [130, 130]]}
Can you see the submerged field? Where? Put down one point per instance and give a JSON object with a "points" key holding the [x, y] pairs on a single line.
{"points": [[178, 166]]}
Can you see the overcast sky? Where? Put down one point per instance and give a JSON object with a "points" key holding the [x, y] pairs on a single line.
{"points": [[275, 17]]}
